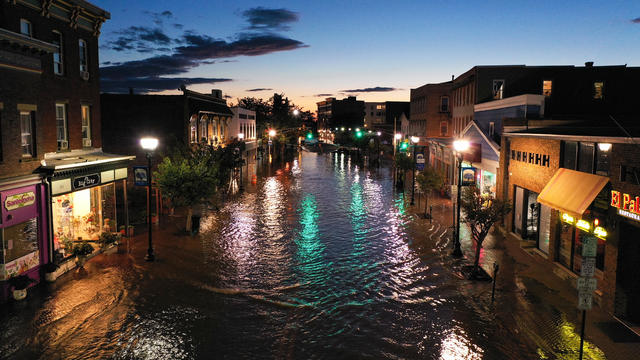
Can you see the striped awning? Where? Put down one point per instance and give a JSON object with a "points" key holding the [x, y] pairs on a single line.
{"points": [[572, 191]]}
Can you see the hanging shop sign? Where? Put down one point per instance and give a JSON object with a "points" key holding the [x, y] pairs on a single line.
{"points": [[586, 226], [141, 175], [627, 206], [468, 176], [86, 181], [18, 201], [420, 160]]}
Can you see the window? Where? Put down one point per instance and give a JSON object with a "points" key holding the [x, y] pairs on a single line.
{"points": [[57, 55], [26, 133], [547, 86], [82, 46], [444, 127], [193, 129], [242, 116], [203, 128], [598, 90], [498, 89], [586, 157], [19, 245], [602, 162], [630, 174], [25, 28], [444, 104], [492, 129], [252, 117], [61, 127], [570, 155], [86, 126]]}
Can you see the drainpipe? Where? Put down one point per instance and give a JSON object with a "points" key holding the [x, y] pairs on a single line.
{"points": [[49, 215]]}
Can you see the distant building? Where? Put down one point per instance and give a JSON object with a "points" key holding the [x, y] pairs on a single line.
{"points": [[374, 114], [56, 184], [348, 113]]}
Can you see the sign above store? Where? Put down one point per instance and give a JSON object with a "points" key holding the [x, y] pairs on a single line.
{"points": [[627, 206], [87, 181], [18, 201]]}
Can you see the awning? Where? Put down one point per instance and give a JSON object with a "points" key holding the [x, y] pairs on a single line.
{"points": [[572, 191]]}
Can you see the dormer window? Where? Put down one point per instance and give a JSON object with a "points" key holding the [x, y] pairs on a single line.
{"points": [[26, 28]]}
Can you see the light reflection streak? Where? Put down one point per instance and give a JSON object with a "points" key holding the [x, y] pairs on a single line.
{"points": [[457, 346]]}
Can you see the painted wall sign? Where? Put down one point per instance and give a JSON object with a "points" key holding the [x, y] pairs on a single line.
{"points": [[86, 181], [19, 200], [531, 158]]}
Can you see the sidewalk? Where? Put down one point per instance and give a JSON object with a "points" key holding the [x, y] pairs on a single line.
{"points": [[532, 301]]}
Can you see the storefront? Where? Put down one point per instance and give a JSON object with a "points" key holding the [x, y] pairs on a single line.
{"points": [[87, 199], [23, 224]]}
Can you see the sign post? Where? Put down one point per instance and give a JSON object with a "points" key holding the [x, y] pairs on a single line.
{"points": [[586, 282]]}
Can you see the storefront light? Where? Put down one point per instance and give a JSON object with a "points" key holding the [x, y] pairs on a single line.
{"points": [[600, 232], [604, 146], [568, 218], [583, 224], [149, 143]]}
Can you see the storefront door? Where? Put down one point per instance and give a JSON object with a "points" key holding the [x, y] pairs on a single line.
{"points": [[628, 282], [518, 210]]}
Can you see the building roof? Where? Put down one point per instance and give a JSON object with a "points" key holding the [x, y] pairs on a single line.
{"points": [[596, 130]]}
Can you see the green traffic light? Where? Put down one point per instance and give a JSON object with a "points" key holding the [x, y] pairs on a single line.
{"points": [[404, 146], [309, 136], [359, 134]]}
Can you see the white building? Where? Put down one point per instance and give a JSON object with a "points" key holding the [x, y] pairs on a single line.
{"points": [[243, 124]]}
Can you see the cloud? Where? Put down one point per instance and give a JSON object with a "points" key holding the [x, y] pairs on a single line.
{"points": [[371, 89], [159, 17], [140, 38], [636, 20], [323, 95], [153, 84], [263, 19], [206, 47], [227, 96], [259, 89], [150, 67], [178, 26]]}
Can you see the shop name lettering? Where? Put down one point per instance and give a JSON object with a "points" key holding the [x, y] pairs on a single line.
{"points": [[19, 200], [625, 202], [86, 181], [531, 158]]}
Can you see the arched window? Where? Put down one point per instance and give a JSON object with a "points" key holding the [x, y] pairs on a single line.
{"points": [[203, 128], [193, 129]]}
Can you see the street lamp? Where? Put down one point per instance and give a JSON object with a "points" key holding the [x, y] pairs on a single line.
{"points": [[378, 147], [460, 146], [149, 145], [296, 112], [272, 133], [396, 137], [414, 140], [240, 136]]}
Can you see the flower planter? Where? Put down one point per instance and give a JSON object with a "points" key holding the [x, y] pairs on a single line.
{"points": [[19, 294]]}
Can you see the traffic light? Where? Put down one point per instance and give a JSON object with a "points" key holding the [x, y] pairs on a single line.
{"points": [[309, 136], [358, 134], [404, 145]]}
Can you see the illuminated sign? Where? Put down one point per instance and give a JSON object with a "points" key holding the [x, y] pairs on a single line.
{"points": [[600, 232], [630, 215], [568, 218], [17, 201], [584, 225], [624, 201]]}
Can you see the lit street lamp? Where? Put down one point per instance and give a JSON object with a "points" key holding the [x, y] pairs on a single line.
{"points": [[149, 145], [414, 140], [460, 146], [241, 137], [378, 147], [272, 133], [396, 137]]}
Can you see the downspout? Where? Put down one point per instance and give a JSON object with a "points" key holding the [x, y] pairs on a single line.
{"points": [[49, 215]]}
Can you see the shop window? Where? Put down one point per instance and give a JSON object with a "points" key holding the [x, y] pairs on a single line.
{"points": [[0, 136], [58, 67], [26, 28], [569, 155], [526, 213], [83, 57], [86, 125], [203, 128], [598, 90], [27, 135], [19, 245], [544, 233], [586, 157], [547, 86], [498, 89], [193, 129], [61, 127], [82, 216]]}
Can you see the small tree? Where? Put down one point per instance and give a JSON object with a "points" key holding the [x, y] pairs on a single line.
{"points": [[481, 212], [403, 164], [428, 180], [188, 176]]}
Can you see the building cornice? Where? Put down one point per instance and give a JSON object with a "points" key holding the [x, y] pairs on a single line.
{"points": [[26, 41]]}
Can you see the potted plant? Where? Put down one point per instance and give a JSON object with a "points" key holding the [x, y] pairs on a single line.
{"points": [[50, 271], [20, 283], [81, 251]]}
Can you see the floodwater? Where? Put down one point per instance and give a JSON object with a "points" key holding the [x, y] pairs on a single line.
{"points": [[317, 260]]}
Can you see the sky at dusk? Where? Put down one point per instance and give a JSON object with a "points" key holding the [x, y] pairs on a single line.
{"points": [[375, 50]]}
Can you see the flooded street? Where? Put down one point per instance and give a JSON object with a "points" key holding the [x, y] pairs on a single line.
{"points": [[317, 260]]}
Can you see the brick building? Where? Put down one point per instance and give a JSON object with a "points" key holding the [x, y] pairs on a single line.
{"points": [[573, 182], [348, 113], [54, 176]]}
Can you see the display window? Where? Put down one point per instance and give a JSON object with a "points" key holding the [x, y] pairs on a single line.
{"points": [[20, 251], [83, 216]]}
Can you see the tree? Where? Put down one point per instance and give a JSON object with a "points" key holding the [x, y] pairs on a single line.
{"points": [[188, 177], [429, 179], [481, 212], [403, 163]]}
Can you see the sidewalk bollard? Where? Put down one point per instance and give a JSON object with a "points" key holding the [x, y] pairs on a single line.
{"points": [[430, 214], [496, 267]]}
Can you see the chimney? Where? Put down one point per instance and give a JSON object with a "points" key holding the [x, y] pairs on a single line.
{"points": [[452, 77], [217, 93], [588, 64]]}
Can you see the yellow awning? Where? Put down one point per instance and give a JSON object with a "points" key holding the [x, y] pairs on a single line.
{"points": [[572, 191]]}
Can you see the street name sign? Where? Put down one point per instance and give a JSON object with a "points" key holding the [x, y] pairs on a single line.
{"points": [[588, 267], [587, 284]]}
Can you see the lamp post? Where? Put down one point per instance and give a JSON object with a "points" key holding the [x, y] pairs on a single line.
{"points": [[272, 133], [414, 140], [241, 137], [396, 137], [378, 147], [149, 145], [460, 146]]}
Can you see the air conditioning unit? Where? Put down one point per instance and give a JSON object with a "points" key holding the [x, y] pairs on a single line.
{"points": [[63, 144], [84, 75], [86, 142]]}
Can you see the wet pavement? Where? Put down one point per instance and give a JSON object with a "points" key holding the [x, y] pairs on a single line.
{"points": [[320, 259]]}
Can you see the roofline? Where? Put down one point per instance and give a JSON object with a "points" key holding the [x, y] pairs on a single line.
{"points": [[91, 7], [484, 136], [609, 139]]}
